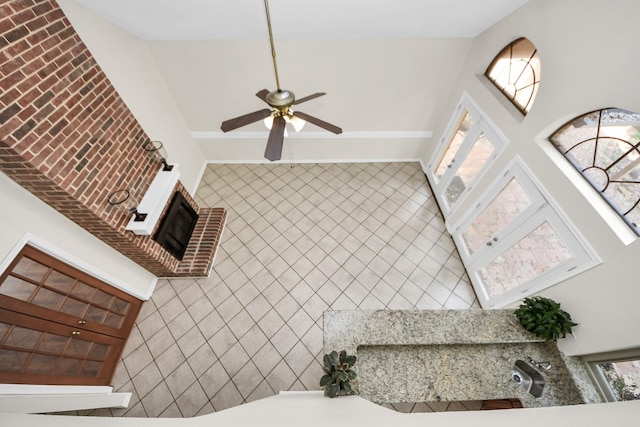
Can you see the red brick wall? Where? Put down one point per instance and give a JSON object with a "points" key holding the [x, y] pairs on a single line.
{"points": [[65, 134]]}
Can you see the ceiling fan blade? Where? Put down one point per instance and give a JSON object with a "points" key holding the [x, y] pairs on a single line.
{"points": [[263, 95], [308, 98], [318, 122], [276, 139], [247, 119]]}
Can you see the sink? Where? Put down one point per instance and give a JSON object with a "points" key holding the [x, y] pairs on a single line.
{"points": [[528, 377]]}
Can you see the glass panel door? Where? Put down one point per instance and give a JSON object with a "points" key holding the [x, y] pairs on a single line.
{"points": [[472, 164], [464, 154], [530, 257], [455, 141], [46, 287], [37, 351], [513, 242], [59, 325], [512, 200]]}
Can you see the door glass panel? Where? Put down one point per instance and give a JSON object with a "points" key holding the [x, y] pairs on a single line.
{"points": [[455, 141], [42, 364], [95, 314], [535, 254], [98, 351], [77, 348], [53, 344], [91, 369], [17, 288], [120, 306], [479, 155], [59, 281], [3, 330], [12, 361], [68, 367], [103, 299], [48, 299], [623, 378], [30, 269], [504, 208], [83, 291], [74, 307], [113, 320], [22, 338]]}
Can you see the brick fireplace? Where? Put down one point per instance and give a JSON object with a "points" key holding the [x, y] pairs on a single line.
{"points": [[68, 137]]}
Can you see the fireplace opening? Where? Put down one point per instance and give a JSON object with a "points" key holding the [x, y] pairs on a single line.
{"points": [[177, 226]]}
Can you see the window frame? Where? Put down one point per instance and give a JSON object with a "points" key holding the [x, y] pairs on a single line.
{"points": [[599, 379], [524, 110], [605, 207]]}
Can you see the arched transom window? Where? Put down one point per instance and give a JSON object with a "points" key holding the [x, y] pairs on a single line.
{"points": [[604, 146], [516, 72]]}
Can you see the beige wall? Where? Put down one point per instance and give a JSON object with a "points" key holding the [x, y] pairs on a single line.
{"points": [[372, 85], [587, 63], [126, 61], [24, 213]]}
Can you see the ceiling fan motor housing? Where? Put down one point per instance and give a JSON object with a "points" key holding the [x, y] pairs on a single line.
{"points": [[281, 99]]}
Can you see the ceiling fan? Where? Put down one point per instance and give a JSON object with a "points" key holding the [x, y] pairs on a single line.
{"points": [[280, 100]]}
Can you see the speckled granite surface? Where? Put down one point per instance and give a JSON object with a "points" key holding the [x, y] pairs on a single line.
{"points": [[414, 356]]}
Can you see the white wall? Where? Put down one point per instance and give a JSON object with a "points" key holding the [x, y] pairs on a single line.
{"points": [[314, 410], [587, 63], [24, 213], [126, 61]]}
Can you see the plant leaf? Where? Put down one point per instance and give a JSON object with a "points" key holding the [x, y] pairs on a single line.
{"points": [[347, 388], [326, 379], [328, 361], [335, 359], [351, 360], [333, 390]]}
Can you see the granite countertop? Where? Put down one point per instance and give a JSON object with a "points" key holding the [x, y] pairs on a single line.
{"points": [[433, 355]]}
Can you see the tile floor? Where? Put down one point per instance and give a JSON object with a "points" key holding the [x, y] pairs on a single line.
{"points": [[298, 241]]}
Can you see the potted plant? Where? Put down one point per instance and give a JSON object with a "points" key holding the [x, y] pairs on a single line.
{"points": [[544, 318], [338, 374]]}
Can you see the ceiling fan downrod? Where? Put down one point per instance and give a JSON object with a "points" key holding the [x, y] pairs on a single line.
{"points": [[273, 48]]}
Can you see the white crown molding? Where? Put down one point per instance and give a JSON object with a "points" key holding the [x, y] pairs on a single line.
{"points": [[316, 135]]}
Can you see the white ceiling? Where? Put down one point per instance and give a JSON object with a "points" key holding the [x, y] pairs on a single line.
{"points": [[303, 19]]}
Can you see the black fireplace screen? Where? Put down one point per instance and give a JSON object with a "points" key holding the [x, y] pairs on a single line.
{"points": [[177, 226]]}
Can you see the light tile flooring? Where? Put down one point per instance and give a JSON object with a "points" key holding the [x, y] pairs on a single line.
{"points": [[299, 240]]}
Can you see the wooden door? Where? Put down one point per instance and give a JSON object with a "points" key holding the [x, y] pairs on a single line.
{"points": [[36, 351], [59, 325]]}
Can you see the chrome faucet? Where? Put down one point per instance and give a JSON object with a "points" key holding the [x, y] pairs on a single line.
{"points": [[545, 366]]}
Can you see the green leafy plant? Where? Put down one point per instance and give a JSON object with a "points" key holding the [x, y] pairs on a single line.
{"points": [[338, 373], [543, 317]]}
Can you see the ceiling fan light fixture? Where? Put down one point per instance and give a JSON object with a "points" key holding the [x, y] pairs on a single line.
{"points": [[268, 121], [296, 122]]}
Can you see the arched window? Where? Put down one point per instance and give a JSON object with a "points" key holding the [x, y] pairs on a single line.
{"points": [[604, 146], [516, 72]]}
